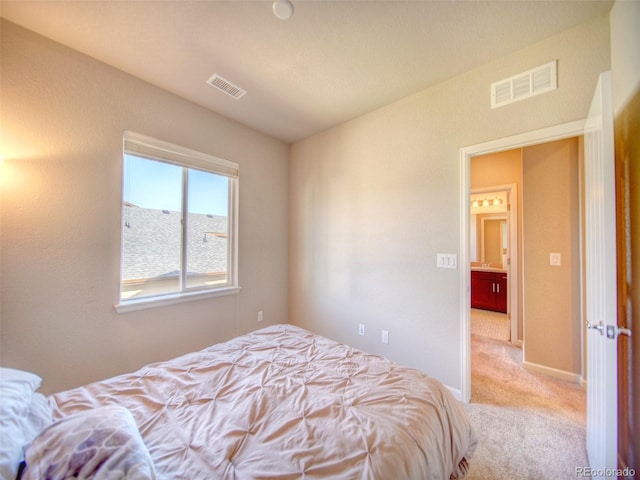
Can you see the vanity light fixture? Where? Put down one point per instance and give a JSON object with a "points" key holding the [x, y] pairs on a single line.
{"points": [[486, 202]]}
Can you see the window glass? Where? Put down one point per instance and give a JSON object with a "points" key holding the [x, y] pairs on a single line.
{"points": [[179, 223], [207, 254], [152, 224]]}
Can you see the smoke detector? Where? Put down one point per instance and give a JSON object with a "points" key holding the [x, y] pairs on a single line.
{"points": [[283, 9]]}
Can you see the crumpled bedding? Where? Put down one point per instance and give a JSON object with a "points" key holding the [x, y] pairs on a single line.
{"points": [[100, 444], [285, 403]]}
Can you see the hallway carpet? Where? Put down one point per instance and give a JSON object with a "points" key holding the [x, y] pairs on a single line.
{"points": [[490, 324], [531, 426]]}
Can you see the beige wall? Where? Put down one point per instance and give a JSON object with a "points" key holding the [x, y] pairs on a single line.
{"points": [[63, 115], [625, 61], [551, 215], [375, 199], [503, 168]]}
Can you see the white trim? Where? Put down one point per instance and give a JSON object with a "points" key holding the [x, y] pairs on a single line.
{"points": [[549, 134], [514, 270], [544, 135], [553, 372], [457, 394], [234, 222], [160, 301], [465, 281], [155, 149]]}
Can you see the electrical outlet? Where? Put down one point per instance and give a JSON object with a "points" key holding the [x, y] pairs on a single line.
{"points": [[555, 259], [260, 317], [385, 336], [361, 329]]}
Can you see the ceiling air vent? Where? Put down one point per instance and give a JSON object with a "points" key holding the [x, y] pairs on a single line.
{"points": [[524, 85], [226, 86]]}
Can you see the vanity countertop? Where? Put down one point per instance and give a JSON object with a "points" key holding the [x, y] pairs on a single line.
{"points": [[488, 269]]}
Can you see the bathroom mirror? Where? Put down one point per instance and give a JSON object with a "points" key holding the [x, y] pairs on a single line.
{"points": [[489, 239], [494, 236]]}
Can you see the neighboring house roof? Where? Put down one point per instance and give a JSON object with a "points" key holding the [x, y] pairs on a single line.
{"points": [[151, 243]]}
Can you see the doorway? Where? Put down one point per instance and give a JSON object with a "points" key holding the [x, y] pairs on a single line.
{"points": [[551, 134], [494, 249]]}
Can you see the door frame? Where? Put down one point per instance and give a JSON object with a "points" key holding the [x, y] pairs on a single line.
{"points": [[545, 135]]}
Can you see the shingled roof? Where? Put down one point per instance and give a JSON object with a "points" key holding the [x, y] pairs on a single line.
{"points": [[151, 243]]}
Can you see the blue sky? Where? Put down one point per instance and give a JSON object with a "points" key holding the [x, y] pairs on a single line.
{"points": [[158, 185]]}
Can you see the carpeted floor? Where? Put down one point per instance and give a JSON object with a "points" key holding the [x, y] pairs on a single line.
{"points": [[530, 426], [490, 324]]}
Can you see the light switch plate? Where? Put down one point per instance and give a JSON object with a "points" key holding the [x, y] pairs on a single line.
{"points": [[447, 260], [555, 259]]}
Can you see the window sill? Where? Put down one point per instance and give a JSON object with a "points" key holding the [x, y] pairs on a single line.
{"points": [[153, 302]]}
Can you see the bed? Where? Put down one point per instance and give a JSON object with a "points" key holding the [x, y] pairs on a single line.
{"points": [[278, 403]]}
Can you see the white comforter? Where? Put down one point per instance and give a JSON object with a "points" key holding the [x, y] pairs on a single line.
{"points": [[284, 403]]}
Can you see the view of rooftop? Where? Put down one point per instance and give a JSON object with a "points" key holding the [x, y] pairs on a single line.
{"points": [[151, 243]]}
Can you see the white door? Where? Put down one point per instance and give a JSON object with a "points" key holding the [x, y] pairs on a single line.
{"points": [[600, 251]]}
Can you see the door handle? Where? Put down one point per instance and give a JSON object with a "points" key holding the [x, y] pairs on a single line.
{"points": [[599, 327], [624, 331], [613, 331]]}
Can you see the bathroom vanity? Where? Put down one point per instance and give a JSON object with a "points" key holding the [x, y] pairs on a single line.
{"points": [[489, 289]]}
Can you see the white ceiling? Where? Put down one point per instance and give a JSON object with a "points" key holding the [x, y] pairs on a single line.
{"points": [[330, 62]]}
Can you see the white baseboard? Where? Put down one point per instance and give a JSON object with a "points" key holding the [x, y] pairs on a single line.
{"points": [[457, 393], [553, 372]]}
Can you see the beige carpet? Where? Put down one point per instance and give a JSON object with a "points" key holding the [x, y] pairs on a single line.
{"points": [[531, 427], [490, 324]]}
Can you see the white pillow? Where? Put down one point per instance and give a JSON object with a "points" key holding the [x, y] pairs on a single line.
{"points": [[38, 417], [16, 393], [30, 381]]}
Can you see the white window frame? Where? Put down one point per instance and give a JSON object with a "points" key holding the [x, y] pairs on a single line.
{"points": [[153, 149]]}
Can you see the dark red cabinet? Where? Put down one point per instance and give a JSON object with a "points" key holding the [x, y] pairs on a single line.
{"points": [[489, 291]]}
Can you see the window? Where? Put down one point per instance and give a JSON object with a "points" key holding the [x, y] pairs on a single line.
{"points": [[179, 218]]}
